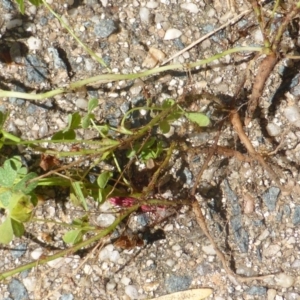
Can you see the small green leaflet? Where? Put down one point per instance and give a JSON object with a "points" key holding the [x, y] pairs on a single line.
{"points": [[198, 118]]}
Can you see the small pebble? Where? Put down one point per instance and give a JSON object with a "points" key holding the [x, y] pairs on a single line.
{"points": [[273, 129], [131, 292], [256, 291], [176, 283], [270, 197], [152, 4], [36, 253], [19, 250], [145, 15], [66, 297], [81, 103], [296, 215], [30, 283], [13, 23], [104, 254], [292, 113], [17, 290], [191, 7], [125, 280], [105, 28], [209, 250], [271, 294], [284, 280], [34, 43], [56, 263], [105, 220], [172, 33]]}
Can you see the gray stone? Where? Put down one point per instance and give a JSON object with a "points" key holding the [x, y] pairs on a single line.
{"points": [[105, 28], [270, 197], [58, 62], [66, 297], [7, 4], [19, 250], [36, 69], [256, 291], [17, 101], [240, 234], [296, 215], [17, 290], [235, 207], [176, 283]]}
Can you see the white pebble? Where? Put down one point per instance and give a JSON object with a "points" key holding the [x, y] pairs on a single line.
{"points": [[30, 283], [81, 103], [152, 4], [258, 37], [154, 56], [87, 269], [36, 253], [110, 285], [104, 254], [13, 23], [176, 247], [105, 220], [292, 113], [284, 280], [191, 7], [145, 15], [271, 251], [172, 33], [209, 250], [273, 129], [114, 256], [271, 294], [125, 280], [170, 262], [34, 43], [56, 263], [131, 292]]}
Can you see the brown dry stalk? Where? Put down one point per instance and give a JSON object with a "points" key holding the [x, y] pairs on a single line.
{"points": [[201, 222], [264, 71]]}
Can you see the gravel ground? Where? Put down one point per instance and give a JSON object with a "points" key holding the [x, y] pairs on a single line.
{"points": [[251, 219]]}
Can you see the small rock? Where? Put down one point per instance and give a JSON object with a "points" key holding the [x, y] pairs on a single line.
{"points": [[296, 215], [170, 263], [13, 23], [35, 68], [204, 268], [271, 251], [111, 285], [152, 4], [240, 234], [284, 280], [66, 297], [44, 129], [292, 113], [271, 294], [105, 220], [17, 101], [153, 57], [209, 250], [17, 290], [56, 263], [19, 250], [270, 197], [105, 28], [36, 253], [81, 103], [273, 129], [30, 283], [172, 33], [15, 52], [125, 280], [114, 256], [176, 283], [58, 62], [291, 296], [104, 254], [131, 292], [34, 43], [256, 291], [145, 15], [191, 7]]}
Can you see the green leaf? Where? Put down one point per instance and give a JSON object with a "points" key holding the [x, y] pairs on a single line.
{"points": [[103, 179], [86, 121], [18, 228], [21, 212], [6, 230], [5, 197], [64, 135], [36, 2], [21, 6], [164, 126], [102, 195], [24, 186], [83, 221], [73, 236], [198, 118], [93, 103], [79, 194], [73, 121], [168, 103], [3, 117], [8, 173]]}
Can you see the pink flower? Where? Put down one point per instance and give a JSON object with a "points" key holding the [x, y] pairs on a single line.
{"points": [[122, 201]]}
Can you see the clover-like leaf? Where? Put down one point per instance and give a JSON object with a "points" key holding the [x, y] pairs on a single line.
{"points": [[18, 228], [103, 179], [198, 118], [73, 236], [24, 186], [6, 230]]}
